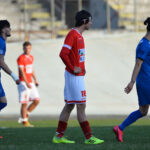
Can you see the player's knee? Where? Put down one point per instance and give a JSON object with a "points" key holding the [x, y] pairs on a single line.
{"points": [[36, 102], [81, 107], [2, 105], [144, 111], [70, 107]]}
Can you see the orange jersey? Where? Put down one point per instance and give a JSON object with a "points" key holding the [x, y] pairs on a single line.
{"points": [[26, 62]]}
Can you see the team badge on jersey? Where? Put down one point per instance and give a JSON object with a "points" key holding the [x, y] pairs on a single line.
{"points": [[81, 51], [82, 55]]}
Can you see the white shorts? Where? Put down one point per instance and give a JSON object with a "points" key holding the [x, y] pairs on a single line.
{"points": [[74, 91], [26, 94]]}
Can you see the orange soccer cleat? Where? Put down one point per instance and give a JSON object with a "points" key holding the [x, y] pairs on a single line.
{"points": [[27, 124], [118, 133]]}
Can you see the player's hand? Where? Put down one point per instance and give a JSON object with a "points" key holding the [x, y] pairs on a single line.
{"points": [[17, 82], [28, 85], [129, 87], [77, 70], [36, 84]]}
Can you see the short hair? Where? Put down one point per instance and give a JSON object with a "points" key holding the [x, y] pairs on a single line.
{"points": [[82, 17], [147, 23], [4, 24], [25, 44]]}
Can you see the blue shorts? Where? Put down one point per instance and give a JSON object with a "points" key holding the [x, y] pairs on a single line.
{"points": [[143, 92], [2, 93]]}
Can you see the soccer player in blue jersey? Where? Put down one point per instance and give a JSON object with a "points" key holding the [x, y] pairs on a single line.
{"points": [[4, 33], [141, 74]]}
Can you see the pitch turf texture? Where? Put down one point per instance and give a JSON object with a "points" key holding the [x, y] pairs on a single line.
{"points": [[16, 137]]}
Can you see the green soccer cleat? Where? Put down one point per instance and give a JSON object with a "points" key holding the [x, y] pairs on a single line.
{"points": [[62, 140], [93, 140]]}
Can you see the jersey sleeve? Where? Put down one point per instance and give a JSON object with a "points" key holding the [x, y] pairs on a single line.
{"points": [[20, 62], [68, 43], [64, 54], [143, 51], [2, 49]]}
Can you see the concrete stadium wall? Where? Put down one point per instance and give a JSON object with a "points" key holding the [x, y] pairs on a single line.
{"points": [[109, 64]]}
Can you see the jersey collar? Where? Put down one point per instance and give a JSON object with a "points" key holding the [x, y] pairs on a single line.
{"points": [[76, 30]]}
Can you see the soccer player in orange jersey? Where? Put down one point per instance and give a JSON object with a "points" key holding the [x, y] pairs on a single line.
{"points": [[27, 89], [73, 56]]}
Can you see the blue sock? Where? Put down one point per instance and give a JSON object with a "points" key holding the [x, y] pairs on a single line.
{"points": [[130, 119], [2, 105]]}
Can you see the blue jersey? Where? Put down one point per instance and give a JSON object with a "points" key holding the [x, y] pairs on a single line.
{"points": [[143, 78], [2, 47], [143, 52], [2, 52]]}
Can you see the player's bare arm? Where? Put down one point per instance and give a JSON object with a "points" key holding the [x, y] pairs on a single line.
{"points": [[136, 70], [35, 79], [4, 65], [7, 70], [24, 77]]}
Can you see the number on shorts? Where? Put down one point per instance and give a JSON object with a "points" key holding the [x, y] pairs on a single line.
{"points": [[83, 93]]}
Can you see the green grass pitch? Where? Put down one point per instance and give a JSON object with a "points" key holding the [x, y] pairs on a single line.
{"points": [[16, 137]]}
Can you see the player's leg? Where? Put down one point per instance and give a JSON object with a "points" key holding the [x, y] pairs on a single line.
{"points": [[62, 124], [34, 97], [65, 114], [24, 94], [142, 111], [33, 105], [23, 112], [81, 116], [85, 126], [3, 100], [63, 119], [3, 104]]}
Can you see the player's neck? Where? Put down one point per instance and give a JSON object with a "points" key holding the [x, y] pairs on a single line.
{"points": [[4, 37], [147, 36], [26, 54], [80, 29]]}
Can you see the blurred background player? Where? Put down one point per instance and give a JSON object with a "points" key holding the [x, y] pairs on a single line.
{"points": [[4, 33], [141, 74], [27, 89], [73, 56]]}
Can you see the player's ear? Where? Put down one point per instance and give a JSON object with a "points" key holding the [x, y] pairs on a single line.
{"points": [[85, 21]]}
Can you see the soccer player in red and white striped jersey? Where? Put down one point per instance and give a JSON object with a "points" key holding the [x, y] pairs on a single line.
{"points": [[73, 56]]}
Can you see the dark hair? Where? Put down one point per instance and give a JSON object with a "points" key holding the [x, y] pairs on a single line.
{"points": [[4, 24], [147, 23], [25, 44], [82, 17]]}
